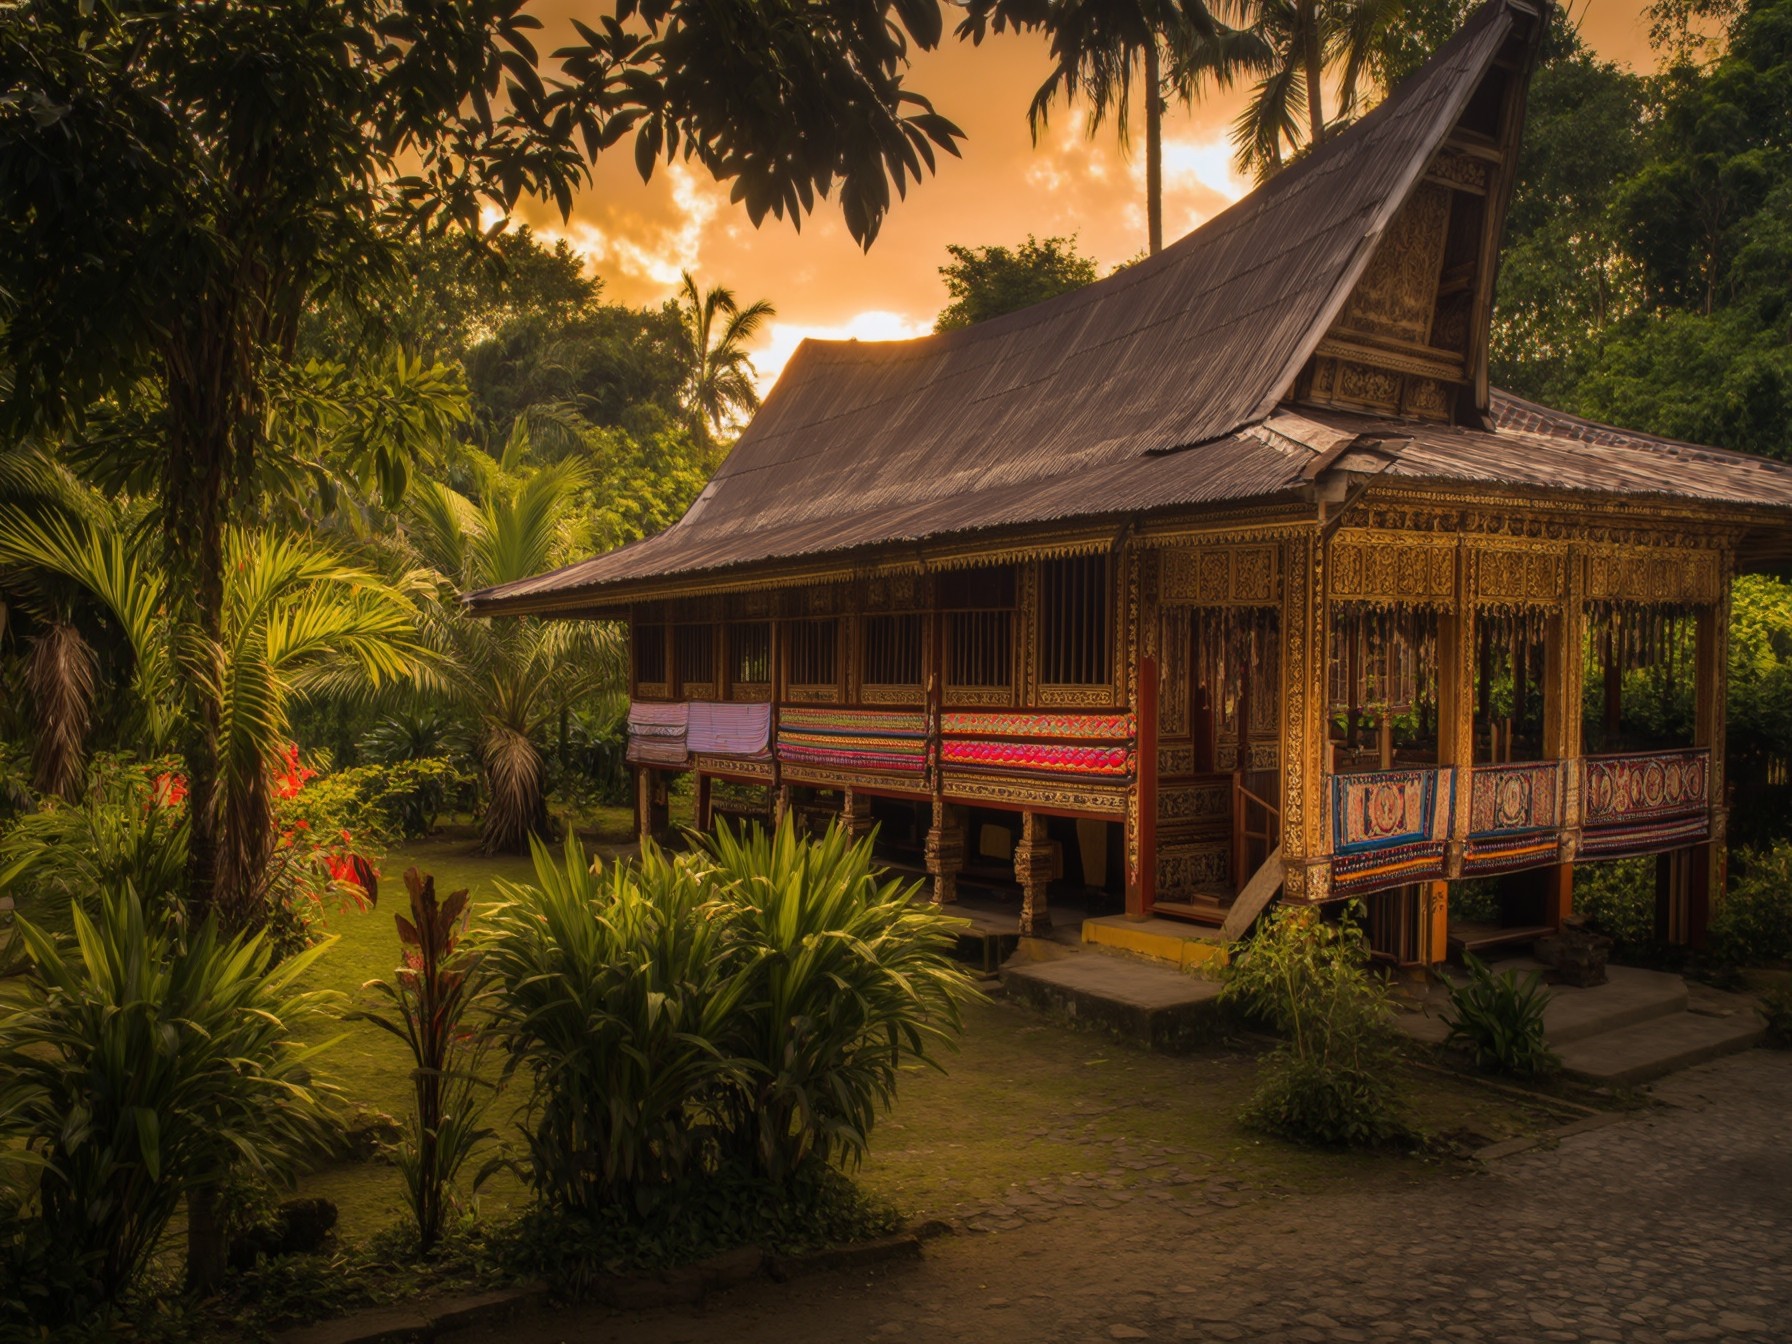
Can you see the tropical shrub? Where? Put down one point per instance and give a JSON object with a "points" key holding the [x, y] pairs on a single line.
{"points": [[435, 994], [1752, 924], [383, 803], [1619, 897], [738, 1013], [1776, 1014], [850, 979], [143, 1068], [1332, 1079], [1498, 1020], [617, 991]]}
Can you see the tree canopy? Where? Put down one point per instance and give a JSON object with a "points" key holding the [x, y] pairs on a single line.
{"points": [[985, 282]]}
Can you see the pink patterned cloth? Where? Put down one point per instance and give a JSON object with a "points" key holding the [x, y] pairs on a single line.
{"points": [[729, 729]]}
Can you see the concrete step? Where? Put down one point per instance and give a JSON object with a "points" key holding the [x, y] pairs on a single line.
{"points": [[1628, 997], [1157, 1006], [1647, 1050]]}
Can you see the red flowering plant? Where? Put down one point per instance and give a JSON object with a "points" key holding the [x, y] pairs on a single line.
{"points": [[315, 857]]}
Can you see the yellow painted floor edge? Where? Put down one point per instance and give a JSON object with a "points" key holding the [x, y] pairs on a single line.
{"points": [[1187, 953]]}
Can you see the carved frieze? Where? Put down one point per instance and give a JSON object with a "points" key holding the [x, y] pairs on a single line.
{"points": [[1184, 870], [971, 788], [1654, 575], [1520, 575], [1386, 570], [1230, 576], [1458, 170]]}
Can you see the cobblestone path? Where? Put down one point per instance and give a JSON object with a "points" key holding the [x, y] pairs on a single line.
{"points": [[1673, 1224]]}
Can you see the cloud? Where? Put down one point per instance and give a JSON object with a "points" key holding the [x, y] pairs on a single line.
{"points": [[782, 338]]}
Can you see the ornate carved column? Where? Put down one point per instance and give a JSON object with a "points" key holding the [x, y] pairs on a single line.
{"points": [[1564, 671], [855, 815], [704, 816], [945, 850], [1036, 862], [643, 804], [1456, 702], [1305, 853]]}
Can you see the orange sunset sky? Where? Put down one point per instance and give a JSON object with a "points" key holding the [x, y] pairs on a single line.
{"points": [[637, 236]]}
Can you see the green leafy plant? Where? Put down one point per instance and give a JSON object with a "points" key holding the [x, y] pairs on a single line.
{"points": [[434, 994], [617, 991], [142, 1068], [1498, 1020], [1332, 1080], [742, 1012], [850, 979]]}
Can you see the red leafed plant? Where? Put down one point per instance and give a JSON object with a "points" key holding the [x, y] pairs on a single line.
{"points": [[435, 993]]}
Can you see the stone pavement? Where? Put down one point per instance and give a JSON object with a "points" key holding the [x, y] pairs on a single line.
{"points": [[1674, 1224]]}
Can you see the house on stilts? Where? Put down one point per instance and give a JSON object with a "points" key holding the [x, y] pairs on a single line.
{"points": [[1229, 573]]}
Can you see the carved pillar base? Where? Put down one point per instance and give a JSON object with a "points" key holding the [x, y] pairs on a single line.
{"points": [[945, 851], [855, 815], [780, 804], [1036, 862], [653, 818]]}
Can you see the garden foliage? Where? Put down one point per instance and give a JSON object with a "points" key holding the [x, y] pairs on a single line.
{"points": [[1498, 1020], [1752, 924], [1332, 1079], [137, 1069], [745, 1009], [435, 995]]}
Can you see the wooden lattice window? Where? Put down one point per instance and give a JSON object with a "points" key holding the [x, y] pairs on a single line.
{"points": [[814, 652], [750, 653], [695, 646], [650, 654], [1075, 644], [979, 607], [892, 650]]}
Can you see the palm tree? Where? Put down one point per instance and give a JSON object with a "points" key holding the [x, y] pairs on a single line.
{"points": [[297, 621], [718, 386], [1294, 47], [513, 675], [1099, 49]]}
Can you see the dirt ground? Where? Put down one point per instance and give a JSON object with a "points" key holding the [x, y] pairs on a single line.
{"points": [[1103, 1194]]}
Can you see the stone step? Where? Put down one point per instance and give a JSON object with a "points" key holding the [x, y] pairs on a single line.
{"points": [[1647, 1050], [1157, 1006]]}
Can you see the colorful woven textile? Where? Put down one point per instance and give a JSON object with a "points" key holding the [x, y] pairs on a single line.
{"points": [[858, 739], [1389, 828], [1113, 727], [1514, 817], [1106, 761], [1508, 798], [729, 729], [1388, 807], [656, 733], [1650, 786], [1054, 744]]}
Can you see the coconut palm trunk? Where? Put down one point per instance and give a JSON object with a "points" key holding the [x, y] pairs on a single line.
{"points": [[59, 675], [1154, 148]]}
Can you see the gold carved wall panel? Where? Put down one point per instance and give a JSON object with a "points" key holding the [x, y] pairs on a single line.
{"points": [[1398, 290], [1222, 576], [1654, 575], [1382, 569], [1535, 575]]}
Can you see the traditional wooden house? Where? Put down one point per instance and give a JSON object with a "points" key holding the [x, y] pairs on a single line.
{"points": [[1227, 573]]}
